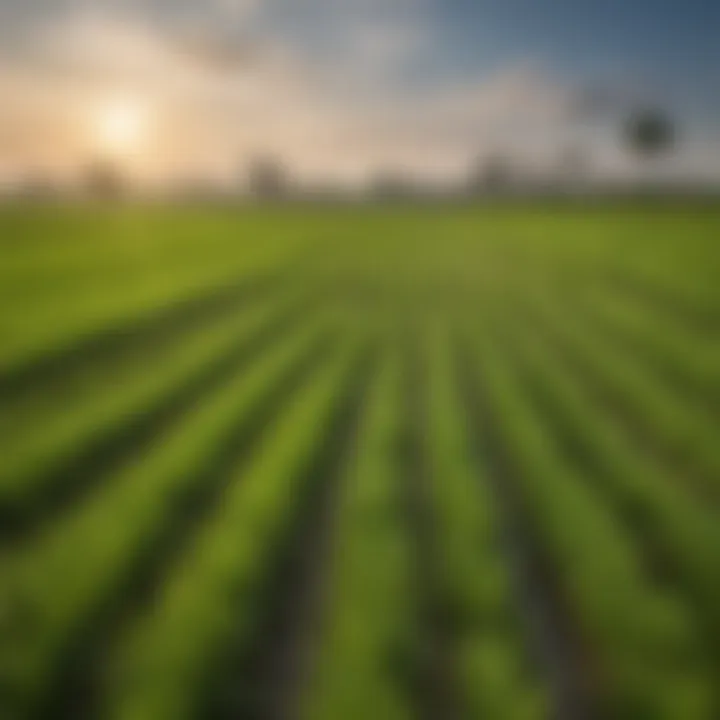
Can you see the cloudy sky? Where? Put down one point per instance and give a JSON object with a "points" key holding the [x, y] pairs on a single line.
{"points": [[345, 88]]}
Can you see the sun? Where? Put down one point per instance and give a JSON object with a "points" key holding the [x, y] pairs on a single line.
{"points": [[120, 126]]}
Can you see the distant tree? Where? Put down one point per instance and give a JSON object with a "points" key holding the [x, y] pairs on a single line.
{"points": [[650, 133], [491, 175], [103, 180], [391, 185], [38, 187], [268, 178]]}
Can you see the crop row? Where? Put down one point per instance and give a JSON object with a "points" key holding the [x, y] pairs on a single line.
{"points": [[495, 676], [657, 414], [364, 665], [680, 532], [646, 655], [97, 431], [59, 581], [71, 281], [213, 597]]}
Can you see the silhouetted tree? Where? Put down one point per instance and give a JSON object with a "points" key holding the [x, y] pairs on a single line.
{"points": [[491, 175], [391, 185], [38, 188], [103, 180], [268, 179], [650, 133]]}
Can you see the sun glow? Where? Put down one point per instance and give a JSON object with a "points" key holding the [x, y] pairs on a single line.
{"points": [[121, 126]]}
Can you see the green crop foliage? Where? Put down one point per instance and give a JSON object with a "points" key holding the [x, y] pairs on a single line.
{"points": [[364, 664], [340, 462], [497, 679]]}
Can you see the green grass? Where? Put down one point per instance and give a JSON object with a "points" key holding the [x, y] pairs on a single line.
{"points": [[526, 503]]}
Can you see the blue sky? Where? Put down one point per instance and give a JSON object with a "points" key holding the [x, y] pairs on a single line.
{"points": [[358, 83], [655, 35], [664, 42], [671, 46]]}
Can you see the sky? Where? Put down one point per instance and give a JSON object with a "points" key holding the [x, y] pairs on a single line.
{"points": [[172, 90]]}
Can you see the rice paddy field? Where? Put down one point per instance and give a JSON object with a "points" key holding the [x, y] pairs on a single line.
{"points": [[360, 463]]}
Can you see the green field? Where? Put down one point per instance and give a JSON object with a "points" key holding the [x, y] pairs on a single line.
{"points": [[360, 463]]}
